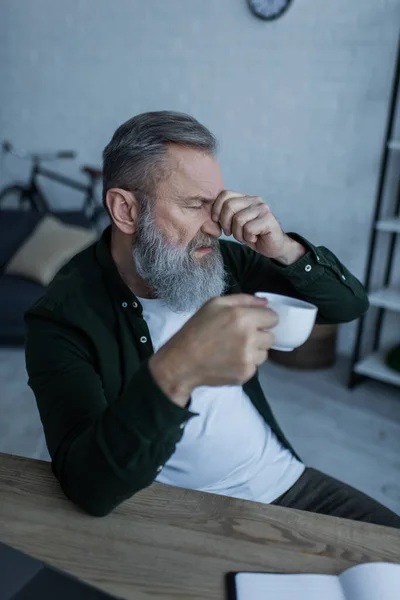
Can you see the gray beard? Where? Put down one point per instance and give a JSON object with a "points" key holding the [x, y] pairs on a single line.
{"points": [[173, 273]]}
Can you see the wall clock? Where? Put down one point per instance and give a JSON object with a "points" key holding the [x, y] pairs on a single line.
{"points": [[269, 9]]}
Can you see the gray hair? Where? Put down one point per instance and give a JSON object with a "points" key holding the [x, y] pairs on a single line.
{"points": [[133, 159]]}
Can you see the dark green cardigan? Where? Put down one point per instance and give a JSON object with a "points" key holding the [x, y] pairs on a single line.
{"points": [[109, 427]]}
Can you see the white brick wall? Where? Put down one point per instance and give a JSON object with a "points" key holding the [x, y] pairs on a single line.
{"points": [[299, 105]]}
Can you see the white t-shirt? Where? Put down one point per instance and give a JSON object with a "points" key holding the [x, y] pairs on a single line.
{"points": [[228, 449]]}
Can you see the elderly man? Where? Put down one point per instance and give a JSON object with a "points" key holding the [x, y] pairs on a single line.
{"points": [[143, 352]]}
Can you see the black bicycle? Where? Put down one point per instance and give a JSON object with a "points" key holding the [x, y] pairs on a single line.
{"points": [[29, 196]]}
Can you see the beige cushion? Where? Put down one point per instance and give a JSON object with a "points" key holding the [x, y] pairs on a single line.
{"points": [[51, 244]]}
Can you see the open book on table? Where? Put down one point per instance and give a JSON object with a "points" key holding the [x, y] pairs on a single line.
{"points": [[373, 581]]}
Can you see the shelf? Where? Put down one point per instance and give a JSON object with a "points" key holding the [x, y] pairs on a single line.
{"points": [[386, 298], [394, 144], [392, 225], [374, 366]]}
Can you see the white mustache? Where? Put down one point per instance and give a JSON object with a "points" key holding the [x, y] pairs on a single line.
{"points": [[209, 243]]}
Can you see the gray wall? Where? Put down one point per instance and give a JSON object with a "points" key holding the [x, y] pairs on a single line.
{"points": [[299, 104]]}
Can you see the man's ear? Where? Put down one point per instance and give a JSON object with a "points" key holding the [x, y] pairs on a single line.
{"points": [[123, 208]]}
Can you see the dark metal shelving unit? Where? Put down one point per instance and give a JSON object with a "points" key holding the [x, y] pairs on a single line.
{"points": [[387, 297]]}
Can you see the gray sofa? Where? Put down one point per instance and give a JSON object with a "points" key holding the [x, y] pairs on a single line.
{"points": [[16, 293]]}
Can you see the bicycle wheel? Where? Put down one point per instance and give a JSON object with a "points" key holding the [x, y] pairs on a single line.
{"points": [[13, 197]]}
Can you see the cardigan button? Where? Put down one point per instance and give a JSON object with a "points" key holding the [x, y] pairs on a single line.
{"points": [[159, 469], [143, 339], [307, 268]]}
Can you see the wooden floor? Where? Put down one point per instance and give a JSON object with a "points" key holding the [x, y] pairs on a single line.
{"points": [[351, 435]]}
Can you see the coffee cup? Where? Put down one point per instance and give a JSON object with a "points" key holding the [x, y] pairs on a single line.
{"points": [[296, 320]]}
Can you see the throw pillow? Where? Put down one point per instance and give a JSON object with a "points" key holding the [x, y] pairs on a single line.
{"points": [[51, 244]]}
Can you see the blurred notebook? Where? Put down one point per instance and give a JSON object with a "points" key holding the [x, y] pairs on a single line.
{"points": [[373, 581], [25, 578]]}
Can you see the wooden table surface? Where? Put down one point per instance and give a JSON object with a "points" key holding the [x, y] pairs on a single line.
{"points": [[169, 543]]}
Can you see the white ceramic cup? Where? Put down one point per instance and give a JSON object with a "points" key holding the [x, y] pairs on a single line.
{"points": [[296, 320]]}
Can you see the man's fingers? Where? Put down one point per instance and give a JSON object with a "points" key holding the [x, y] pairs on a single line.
{"points": [[260, 317], [265, 318], [264, 340], [230, 209], [260, 357], [241, 220], [220, 201], [242, 300]]}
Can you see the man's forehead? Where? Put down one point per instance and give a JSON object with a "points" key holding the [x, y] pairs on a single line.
{"points": [[193, 173]]}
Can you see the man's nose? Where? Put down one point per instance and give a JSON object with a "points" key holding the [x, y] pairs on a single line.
{"points": [[209, 227]]}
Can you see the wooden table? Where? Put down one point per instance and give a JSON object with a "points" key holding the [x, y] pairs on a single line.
{"points": [[169, 543]]}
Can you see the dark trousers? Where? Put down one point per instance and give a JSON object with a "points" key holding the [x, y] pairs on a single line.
{"points": [[319, 493]]}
